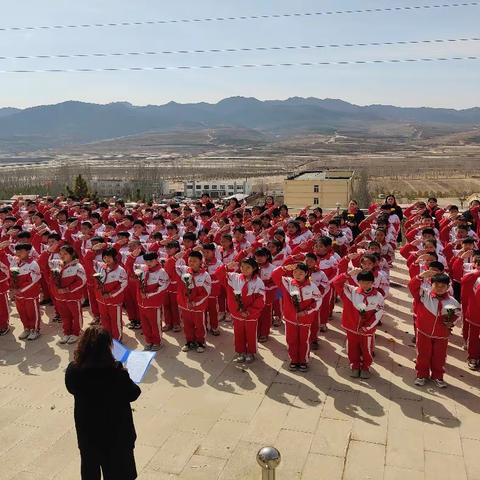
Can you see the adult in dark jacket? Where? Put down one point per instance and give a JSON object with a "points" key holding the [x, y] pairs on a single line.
{"points": [[103, 391], [391, 201], [353, 217]]}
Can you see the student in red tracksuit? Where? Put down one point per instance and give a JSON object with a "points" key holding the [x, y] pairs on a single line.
{"points": [[111, 282], [362, 311], [130, 297], [212, 264], [4, 286], [471, 312], [172, 317], [152, 284], [301, 301], [264, 259], [93, 257], [25, 288], [194, 286], [245, 299], [47, 260], [67, 285], [320, 279], [436, 313]]}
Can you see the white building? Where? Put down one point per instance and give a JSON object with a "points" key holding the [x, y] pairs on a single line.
{"points": [[216, 188]]}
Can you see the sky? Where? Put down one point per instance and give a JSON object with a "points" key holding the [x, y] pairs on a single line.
{"points": [[453, 84]]}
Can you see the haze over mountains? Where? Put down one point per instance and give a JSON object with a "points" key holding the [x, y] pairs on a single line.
{"points": [[72, 122]]}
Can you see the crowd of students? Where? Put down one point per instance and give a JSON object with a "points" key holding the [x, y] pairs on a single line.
{"points": [[188, 267]]}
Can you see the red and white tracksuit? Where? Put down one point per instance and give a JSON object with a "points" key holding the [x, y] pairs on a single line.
{"points": [[4, 287], [171, 311], [130, 300], [301, 302], [194, 288], [245, 300], [473, 319], [69, 304], [320, 279], [111, 282], [432, 334], [90, 259], [27, 288], [362, 311], [151, 293], [213, 304], [265, 319]]}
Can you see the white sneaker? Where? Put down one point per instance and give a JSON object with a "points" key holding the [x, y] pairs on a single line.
{"points": [[420, 382], [440, 383], [240, 358], [24, 334], [72, 339], [33, 335], [63, 339]]}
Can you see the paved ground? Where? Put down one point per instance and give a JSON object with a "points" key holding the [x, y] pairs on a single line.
{"points": [[202, 417]]}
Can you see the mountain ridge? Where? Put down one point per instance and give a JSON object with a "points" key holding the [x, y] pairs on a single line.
{"points": [[74, 122]]}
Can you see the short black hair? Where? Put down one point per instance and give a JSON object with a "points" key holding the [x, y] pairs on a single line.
{"points": [[365, 276], [150, 256], [441, 278], [195, 254], [23, 246]]}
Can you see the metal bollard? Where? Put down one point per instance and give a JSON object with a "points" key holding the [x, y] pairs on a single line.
{"points": [[269, 459]]}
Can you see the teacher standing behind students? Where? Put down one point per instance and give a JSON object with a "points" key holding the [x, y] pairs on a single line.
{"points": [[103, 417]]}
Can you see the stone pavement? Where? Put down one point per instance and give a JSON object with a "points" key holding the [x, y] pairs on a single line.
{"points": [[202, 417]]}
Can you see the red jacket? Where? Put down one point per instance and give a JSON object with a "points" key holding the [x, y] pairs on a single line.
{"points": [[431, 310], [4, 273], [71, 277], [362, 311], [151, 284], [193, 289], [304, 297], [113, 282], [27, 279], [470, 297], [247, 294]]}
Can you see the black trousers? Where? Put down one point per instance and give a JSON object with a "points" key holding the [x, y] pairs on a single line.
{"points": [[114, 463], [457, 291]]}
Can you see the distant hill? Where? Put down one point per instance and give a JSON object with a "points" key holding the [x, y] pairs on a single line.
{"points": [[4, 112], [73, 122]]}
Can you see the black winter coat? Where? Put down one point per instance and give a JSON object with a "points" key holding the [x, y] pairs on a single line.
{"points": [[103, 416]]}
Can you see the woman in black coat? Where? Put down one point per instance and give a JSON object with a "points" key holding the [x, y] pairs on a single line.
{"points": [[391, 201], [103, 418], [353, 217]]}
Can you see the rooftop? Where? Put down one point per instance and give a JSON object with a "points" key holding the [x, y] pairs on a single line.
{"points": [[323, 175]]}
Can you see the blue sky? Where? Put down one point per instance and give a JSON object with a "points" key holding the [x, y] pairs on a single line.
{"points": [[443, 84]]}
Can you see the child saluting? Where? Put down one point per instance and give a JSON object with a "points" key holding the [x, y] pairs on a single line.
{"points": [[362, 312]]}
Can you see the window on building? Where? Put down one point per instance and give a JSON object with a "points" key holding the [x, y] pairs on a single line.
{"points": [[222, 187], [230, 187], [198, 187], [214, 187], [315, 188], [315, 201], [239, 187], [206, 187]]}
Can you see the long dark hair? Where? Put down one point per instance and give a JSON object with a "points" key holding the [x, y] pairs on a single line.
{"points": [[94, 349]]}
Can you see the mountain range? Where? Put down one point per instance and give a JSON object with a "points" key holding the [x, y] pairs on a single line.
{"points": [[73, 122]]}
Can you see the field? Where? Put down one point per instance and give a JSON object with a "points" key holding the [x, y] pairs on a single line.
{"points": [[410, 162]]}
